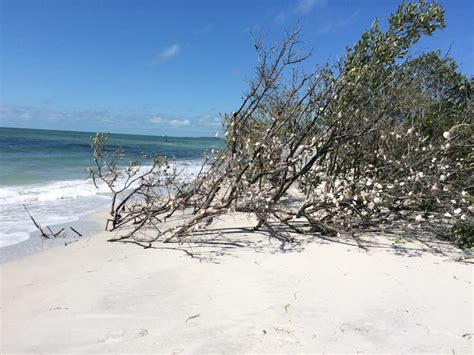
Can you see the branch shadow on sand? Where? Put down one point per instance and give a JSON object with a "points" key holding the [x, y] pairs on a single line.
{"points": [[221, 241]]}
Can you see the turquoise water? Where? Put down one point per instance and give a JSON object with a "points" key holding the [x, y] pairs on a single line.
{"points": [[45, 170], [31, 155]]}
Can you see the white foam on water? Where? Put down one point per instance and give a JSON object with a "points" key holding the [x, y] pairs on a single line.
{"points": [[53, 191], [58, 202], [12, 238]]}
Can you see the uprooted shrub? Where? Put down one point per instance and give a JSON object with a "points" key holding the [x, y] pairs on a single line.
{"points": [[380, 141]]}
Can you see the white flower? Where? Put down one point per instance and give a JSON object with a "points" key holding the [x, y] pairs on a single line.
{"points": [[464, 193], [457, 211], [410, 131], [442, 178], [419, 218], [463, 217], [369, 182], [448, 215], [446, 135]]}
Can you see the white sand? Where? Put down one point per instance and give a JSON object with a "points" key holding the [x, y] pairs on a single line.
{"points": [[96, 297]]}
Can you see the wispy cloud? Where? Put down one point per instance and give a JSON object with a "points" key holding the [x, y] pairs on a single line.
{"points": [[108, 119], [299, 8], [166, 54], [203, 121], [304, 7], [170, 121], [157, 120], [179, 122], [29, 114], [337, 24], [210, 121]]}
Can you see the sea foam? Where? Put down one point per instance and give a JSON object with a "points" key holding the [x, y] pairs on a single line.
{"points": [[58, 202]]}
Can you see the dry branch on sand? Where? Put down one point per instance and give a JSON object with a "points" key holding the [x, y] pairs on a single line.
{"points": [[380, 141]]}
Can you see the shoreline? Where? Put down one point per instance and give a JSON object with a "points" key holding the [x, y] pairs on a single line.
{"points": [[46, 171], [88, 225], [241, 293]]}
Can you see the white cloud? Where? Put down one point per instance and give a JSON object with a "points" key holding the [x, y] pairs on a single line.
{"points": [[170, 121], [109, 120], [179, 122], [336, 25], [300, 8], [210, 121], [34, 116], [304, 7], [203, 121], [157, 120], [166, 54]]}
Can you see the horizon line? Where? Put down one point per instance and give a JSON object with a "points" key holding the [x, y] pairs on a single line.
{"points": [[127, 134]]}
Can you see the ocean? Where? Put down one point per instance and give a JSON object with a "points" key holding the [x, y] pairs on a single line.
{"points": [[45, 171]]}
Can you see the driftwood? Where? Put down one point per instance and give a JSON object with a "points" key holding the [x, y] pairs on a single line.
{"points": [[50, 234], [38, 226]]}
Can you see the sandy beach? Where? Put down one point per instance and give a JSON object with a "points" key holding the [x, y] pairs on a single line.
{"points": [[236, 177], [93, 296]]}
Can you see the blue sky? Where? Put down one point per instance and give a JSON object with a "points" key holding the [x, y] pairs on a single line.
{"points": [[169, 67]]}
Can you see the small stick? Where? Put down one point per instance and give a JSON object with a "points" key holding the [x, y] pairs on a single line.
{"points": [[36, 224], [192, 317], [62, 229], [54, 234], [75, 231]]}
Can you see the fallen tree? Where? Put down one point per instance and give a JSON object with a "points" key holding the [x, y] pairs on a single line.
{"points": [[379, 141]]}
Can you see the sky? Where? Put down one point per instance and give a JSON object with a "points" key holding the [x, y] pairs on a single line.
{"points": [[168, 67]]}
